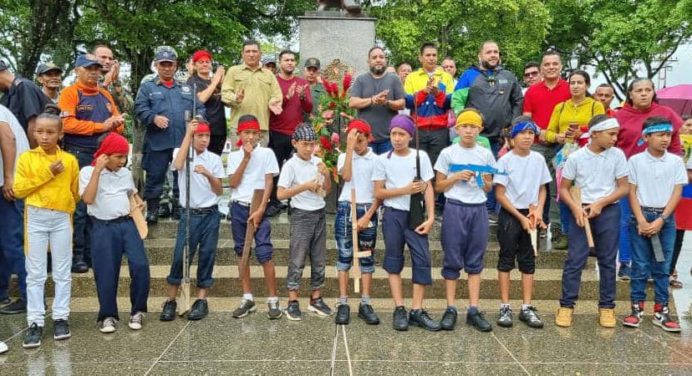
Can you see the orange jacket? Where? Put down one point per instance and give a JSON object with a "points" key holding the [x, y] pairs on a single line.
{"points": [[68, 102]]}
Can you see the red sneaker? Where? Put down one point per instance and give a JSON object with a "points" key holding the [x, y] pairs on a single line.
{"points": [[662, 318], [635, 318]]}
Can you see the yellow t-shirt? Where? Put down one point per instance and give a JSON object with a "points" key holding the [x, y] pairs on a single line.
{"points": [[567, 112]]}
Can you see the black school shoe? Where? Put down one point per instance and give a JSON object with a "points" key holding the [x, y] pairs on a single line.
{"points": [[61, 330], [32, 338], [343, 314], [367, 314], [449, 319], [168, 312], [200, 309], [399, 319], [419, 317], [479, 322]]}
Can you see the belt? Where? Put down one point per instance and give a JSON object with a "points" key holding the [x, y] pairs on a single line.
{"points": [[241, 203], [200, 211], [457, 202], [124, 218], [652, 210]]}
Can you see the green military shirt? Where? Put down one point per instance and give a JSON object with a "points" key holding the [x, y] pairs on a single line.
{"points": [[261, 88]]}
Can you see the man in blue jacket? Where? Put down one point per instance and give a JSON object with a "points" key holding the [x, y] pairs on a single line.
{"points": [[160, 106]]}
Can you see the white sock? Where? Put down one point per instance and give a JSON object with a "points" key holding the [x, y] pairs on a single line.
{"points": [[525, 306], [273, 299], [248, 296]]}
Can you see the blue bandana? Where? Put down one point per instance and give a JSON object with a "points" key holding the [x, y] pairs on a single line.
{"points": [[522, 126], [663, 127]]}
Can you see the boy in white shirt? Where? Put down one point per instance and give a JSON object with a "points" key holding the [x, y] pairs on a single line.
{"points": [[106, 187], [356, 167], [206, 172], [521, 195], [656, 179], [394, 177], [465, 226], [304, 179], [600, 171], [252, 167]]}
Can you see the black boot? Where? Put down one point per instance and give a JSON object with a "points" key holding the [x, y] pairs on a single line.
{"points": [[152, 212], [164, 210]]}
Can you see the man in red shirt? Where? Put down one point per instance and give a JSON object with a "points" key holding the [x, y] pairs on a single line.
{"points": [[296, 104], [539, 101]]}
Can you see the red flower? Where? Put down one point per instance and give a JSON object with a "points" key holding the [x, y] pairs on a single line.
{"points": [[347, 82], [332, 105], [326, 145], [331, 88]]}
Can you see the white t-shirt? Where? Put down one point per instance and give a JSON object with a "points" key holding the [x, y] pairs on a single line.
{"points": [[398, 172], [297, 171], [112, 195], [262, 162], [201, 193], [465, 191], [21, 142], [526, 176], [656, 178], [595, 174], [361, 175]]}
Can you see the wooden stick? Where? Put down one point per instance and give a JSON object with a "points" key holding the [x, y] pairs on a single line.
{"points": [[136, 212], [250, 232], [357, 254], [576, 196]]}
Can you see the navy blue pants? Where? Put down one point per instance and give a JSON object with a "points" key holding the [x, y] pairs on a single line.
{"points": [[464, 238], [606, 234], [204, 234], [12, 246], [263, 242], [81, 243], [396, 233], [156, 164], [491, 204], [625, 244], [110, 240]]}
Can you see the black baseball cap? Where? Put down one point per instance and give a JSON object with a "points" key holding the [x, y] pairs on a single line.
{"points": [[312, 63], [44, 68]]}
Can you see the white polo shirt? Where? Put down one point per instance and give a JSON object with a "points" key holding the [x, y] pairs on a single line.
{"points": [[398, 172], [201, 194], [262, 162], [526, 176], [361, 175], [112, 195], [467, 192], [297, 171], [595, 174], [656, 178], [21, 142]]}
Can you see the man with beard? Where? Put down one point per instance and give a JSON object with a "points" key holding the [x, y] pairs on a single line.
{"points": [[110, 72], [49, 76], [88, 111], [496, 93], [296, 104], [378, 96]]}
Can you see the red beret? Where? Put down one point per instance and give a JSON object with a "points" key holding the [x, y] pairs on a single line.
{"points": [[198, 55]]}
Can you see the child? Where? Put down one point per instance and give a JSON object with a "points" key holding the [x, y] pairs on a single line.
{"points": [[47, 178], [106, 188], [522, 195], [356, 167], [252, 167], [656, 180], [206, 172], [302, 178], [600, 171], [464, 233], [394, 177]]}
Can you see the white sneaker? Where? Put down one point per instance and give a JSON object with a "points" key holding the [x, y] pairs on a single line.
{"points": [[108, 325], [3, 347], [136, 321]]}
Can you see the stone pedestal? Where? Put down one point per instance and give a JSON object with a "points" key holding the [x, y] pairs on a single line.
{"points": [[330, 35]]}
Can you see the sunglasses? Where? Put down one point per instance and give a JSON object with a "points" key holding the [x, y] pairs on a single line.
{"points": [[531, 74]]}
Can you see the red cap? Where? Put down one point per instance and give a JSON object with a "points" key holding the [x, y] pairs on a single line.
{"points": [[203, 127], [361, 126], [198, 55]]}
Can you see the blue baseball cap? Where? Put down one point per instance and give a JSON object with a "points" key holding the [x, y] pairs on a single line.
{"points": [[85, 61], [166, 53]]}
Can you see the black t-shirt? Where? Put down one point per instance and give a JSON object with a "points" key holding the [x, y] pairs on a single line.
{"points": [[25, 100], [215, 110]]}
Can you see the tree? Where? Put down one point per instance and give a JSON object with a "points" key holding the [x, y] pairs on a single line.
{"points": [[620, 39], [459, 27]]}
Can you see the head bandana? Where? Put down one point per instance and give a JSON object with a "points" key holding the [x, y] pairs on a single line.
{"points": [[403, 122], [248, 125], [469, 118], [606, 124], [113, 143], [662, 127], [202, 127], [361, 126], [523, 126], [305, 132]]}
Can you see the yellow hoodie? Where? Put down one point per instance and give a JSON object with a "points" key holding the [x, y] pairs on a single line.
{"points": [[34, 182]]}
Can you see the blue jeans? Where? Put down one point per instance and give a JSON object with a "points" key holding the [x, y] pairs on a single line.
{"points": [[204, 234], [625, 246], [113, 239], [381, 147], [565, 214], [81, 247], [12, 246], [344, 238], [644, 263]]}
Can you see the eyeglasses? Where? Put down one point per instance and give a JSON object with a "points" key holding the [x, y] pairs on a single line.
{"points": [[530, 74]]}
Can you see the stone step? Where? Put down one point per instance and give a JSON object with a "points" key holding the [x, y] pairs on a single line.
{"points": [[167, 228], [160, 252], [547, 284]]}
